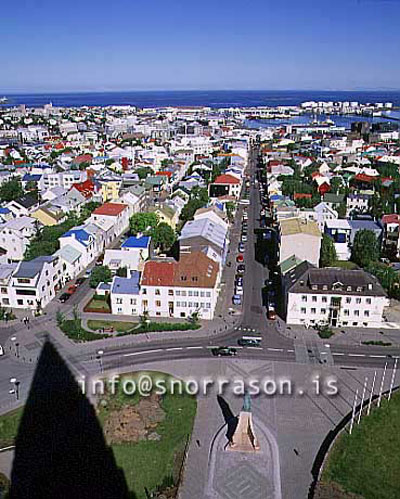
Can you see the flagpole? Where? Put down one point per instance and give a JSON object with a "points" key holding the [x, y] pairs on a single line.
{"points": [[372, 394], [362, 400], [393, 377], [354, 411], [382, 383]]}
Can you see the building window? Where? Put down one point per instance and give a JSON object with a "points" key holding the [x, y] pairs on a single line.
{"points": [[368, 301], [366, 313], [324, 299], [323, 311], [303, 310], [133, 301], [348, 300], [190, 293], [119, 301], [358, 301], [183, 293], [144, 291], [356, 313], [170, 292], [304, 298], [345, 312], [314, 298], [355, 323], [313, 310], [177, 292], [158, 303], [157, 292], [145, 303]]}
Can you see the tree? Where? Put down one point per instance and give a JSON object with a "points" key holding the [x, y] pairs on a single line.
{"points": [[230, 210], [328, 252], [198, 199], [10, 190], [143, 222], [99, 274], [163, 236], [365, 248], [342, 210], [60, 318], [122, 272]]}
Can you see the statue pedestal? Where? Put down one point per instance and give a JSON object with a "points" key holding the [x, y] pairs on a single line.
{"points": [[244, 439]]}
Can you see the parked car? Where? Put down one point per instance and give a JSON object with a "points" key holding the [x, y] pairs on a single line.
{"points": [[71, 289], [244, 238], [64, 297], [241, 247], [239, 281], [240, 258], [1, 350], [271, 314], [236, 299], [88, 273], [80, 281], [241, 268], [238, 290], [224, 352]]}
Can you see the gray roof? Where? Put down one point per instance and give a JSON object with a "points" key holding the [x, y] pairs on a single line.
{"points": [[32, 268], [337, 281]]}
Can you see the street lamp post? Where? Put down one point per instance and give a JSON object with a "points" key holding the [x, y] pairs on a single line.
{"points": [[14, 340], [99, 357], [15, 390]]}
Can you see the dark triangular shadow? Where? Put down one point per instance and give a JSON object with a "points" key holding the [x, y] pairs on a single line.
{"points": [[230, 419], [60, 448]]}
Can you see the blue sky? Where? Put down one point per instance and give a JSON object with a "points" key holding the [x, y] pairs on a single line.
{"points": [[99, 45]]}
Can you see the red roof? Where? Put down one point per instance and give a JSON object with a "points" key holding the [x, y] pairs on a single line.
{"points": [[364, 178], [86, 188], [158, 273], [226, 179], [393, 218], [301, 195], [110, 209], [165, 173], [83, 158]]}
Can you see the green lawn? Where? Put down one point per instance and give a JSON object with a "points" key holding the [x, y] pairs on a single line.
{"points": [[100, 305], [367, 462], [150, 463], [8, 427], [117, 325], [74, 330]]}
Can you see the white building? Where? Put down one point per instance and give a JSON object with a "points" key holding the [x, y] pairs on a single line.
{"points": [[15, 236], [301, 238], [334, 296]]}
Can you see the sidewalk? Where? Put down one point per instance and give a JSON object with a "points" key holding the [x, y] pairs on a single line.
{"points": [[342, 336]]}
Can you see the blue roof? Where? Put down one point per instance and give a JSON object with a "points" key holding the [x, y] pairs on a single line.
{"points": [[31, 178], [80, 235], [4, 210], [127, 285], [364, 224], [136, 242]]}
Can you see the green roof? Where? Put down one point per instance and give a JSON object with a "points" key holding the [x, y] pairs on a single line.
{"points": [[289, 264], [331, 197]]}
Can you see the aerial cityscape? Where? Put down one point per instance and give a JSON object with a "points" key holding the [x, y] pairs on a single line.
{"points": [[200, 251]]}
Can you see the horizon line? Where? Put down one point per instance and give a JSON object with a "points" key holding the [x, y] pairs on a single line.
{"points": [[63, 92]]}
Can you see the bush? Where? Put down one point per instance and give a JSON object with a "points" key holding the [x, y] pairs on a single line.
{"points": [[74, 330], [159, 327]]}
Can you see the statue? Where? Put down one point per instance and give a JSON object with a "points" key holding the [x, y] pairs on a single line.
{"points": [[244, 438]]}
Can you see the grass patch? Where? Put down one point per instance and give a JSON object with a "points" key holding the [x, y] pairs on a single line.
{"points": [[117, 325], [345, 264], [98, 305], [367, 462], [74, 330], [8, 426], [149, 464], [378, 343]]}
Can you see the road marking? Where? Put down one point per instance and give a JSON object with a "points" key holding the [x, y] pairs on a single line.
{"points": [[193, 348], [276, 349], [144, 351], [255, 348], [213, 346], [291, 351], [337, 353], [356, 355], [174, 348], [235, 347], [377, 356]]}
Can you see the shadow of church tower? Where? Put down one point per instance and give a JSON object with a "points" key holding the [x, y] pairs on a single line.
{"points": [[60, 448]]}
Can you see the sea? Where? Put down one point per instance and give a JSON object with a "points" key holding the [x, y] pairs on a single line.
{"points": [[213, 99]]}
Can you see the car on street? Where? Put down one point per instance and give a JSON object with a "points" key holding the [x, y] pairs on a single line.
{"points": [[271, 313], [239, 280], [71, 289], [249, 342], [224, 351], [88, 273], [245, 216], [1, 350], [244, 238], [64, 297], [80, 281], [236, 300], [241, 268], [240, 258], [239, 290], [241, 248]]}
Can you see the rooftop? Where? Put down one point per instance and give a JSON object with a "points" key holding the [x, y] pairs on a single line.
{"points": [[110, 209], [291, 226]]}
